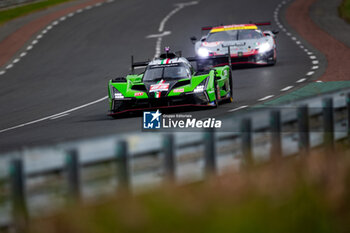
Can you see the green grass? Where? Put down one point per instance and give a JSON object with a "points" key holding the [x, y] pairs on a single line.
{"points": [[344, 10], [12, 13], [307, 195]]}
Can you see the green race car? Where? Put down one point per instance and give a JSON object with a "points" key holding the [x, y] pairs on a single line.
{"points": [[169, 81]]}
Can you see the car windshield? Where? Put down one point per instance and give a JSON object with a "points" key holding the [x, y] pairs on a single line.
{"points": [[166, 72], [222, 36], [249, 34], [234, 35]]}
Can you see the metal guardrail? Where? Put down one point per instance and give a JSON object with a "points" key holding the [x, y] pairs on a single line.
{"points": [[122, 159]]}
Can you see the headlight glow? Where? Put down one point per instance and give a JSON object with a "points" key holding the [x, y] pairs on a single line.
{"points": [[199, 88], [203, 52], [116, 94], [264, 48]]}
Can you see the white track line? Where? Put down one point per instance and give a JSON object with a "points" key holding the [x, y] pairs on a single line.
{"points": [[287, 88], [239, 108], [166, 33], [179, 6], [58, 114], [266, 98], [301, 80]]}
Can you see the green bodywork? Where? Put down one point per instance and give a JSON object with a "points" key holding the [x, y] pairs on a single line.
{"points": [[222, 79]]}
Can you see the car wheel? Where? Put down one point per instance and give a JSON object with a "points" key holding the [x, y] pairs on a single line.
{"points": [[216, 101], [274, 56], [231, 83]]}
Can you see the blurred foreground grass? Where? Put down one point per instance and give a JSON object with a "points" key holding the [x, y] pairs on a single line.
{"points": [[303, 195], [344, 10], [12, 13]]}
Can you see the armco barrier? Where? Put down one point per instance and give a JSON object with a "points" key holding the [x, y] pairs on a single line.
{"points": [[208, 144]]}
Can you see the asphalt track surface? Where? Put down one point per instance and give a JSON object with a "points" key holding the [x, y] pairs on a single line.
{"points": [[72, 64]]}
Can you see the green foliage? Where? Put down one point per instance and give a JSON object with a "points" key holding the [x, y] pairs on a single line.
{"points": [[344, 10], [12, 13], [301, 196]]}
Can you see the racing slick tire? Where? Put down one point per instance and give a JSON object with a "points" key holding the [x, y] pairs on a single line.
{"points": [[216, 101], [231, 86], [274, 58]]}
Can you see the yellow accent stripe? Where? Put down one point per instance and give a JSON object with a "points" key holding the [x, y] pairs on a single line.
{"points": [[233, 28]]}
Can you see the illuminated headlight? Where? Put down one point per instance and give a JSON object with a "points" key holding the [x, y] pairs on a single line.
{"points": [[116, 94], [264, 48], [203, 52], [199, 88]]}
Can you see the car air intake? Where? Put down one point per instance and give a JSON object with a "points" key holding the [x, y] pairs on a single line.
{"points": [[119, 80], [182, 83], [139, 88]]}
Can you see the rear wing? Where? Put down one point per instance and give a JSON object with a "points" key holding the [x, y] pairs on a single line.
{"points": [[145, 63], [137, 64], [267, 23], [261, 23]]}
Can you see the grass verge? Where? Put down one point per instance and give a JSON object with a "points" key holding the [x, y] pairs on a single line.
{"points": [[305, 195], [344, 10], [12, 13]]}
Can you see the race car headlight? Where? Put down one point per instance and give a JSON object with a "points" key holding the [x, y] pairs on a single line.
{"points": [[203, 52], [200, 87], [116, 94], [264, 48]]}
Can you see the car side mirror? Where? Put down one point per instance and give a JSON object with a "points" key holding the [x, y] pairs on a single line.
{"points": [[275, 32], [204, 38], [193, 39]]}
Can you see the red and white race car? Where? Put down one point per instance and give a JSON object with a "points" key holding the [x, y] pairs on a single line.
{"points": [[246, 43]]}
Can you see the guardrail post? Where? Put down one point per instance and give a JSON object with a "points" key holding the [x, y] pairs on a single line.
{"points": [[73, 174], [169, 157], [19, 205], [303, 127], [348, 112], [123, 165], [210, 152], [328, 123], [275, 126], [246, 134]]}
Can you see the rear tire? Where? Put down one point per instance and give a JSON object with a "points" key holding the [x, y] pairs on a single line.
{"points": [[216, 101], [231, 83], [274, 56]]}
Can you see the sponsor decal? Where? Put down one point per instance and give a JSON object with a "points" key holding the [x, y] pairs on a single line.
{"points": [[156, 120], [233, 27], [211, 44], [160, 86], [179, 90], [152, 120], [138, 94]]}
